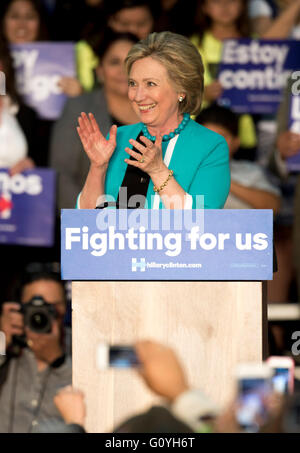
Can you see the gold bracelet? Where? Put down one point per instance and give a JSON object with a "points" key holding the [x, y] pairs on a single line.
{"points": [[158, 189]]}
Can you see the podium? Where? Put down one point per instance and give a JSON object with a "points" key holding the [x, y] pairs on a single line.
{"points": [[212, 325]]}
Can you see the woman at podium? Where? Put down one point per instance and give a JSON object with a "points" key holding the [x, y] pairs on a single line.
{"points": [[166, 160]]}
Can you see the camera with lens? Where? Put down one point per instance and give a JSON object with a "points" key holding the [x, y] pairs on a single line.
{"points": [[38, 315]]}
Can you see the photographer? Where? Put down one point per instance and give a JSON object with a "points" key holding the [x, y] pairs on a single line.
{"points": [[36, 365]]}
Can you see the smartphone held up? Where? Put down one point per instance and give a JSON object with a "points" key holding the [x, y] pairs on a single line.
{"points": [[283, 374], [116, 356], [256, 384]]}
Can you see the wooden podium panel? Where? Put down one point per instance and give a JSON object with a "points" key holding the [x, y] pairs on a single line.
{"points": [[211, 325]]}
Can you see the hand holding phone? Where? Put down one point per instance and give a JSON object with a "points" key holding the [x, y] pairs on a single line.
{"points": [[160, 368], [254, 388]]}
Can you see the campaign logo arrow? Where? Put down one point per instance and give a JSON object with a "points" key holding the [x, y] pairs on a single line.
{"points": [[5, 206]]}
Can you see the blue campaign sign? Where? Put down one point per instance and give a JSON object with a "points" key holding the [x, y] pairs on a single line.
{"points": [[27, 207], [293, 163], [254, 72], [163, 244], [39, 68]]}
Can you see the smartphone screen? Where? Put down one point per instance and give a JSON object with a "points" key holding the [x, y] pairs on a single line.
{"points": [[283, 374], [281, 380], [122, 357], [251, 412]]}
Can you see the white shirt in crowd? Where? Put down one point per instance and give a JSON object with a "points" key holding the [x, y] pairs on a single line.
{"points": [[13, 143]]}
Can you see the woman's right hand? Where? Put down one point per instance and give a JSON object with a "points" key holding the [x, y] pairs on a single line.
{"points": [[98, 149]]}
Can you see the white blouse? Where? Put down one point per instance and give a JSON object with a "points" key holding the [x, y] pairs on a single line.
{"points": [[13, 143]]}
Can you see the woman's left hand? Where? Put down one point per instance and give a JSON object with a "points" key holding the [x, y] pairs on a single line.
{"points": [[150, 160], [70, 86]]}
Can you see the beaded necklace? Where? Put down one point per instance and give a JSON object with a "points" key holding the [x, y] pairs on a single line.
{"points": [[186, 119]]}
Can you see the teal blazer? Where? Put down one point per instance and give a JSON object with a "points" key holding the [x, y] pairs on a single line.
{"points": [[200, 162]]}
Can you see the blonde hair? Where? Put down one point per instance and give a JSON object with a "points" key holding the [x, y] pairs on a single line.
{"points": [[182, 62]]}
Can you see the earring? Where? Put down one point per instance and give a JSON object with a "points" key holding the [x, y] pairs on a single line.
{"points": [[180, 98]]}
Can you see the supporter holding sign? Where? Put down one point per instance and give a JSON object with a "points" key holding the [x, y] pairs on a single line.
{"points": [[22, 22], [41, 79], [253, 73], [20, 151], [18, 148], [216, 22], [222, 20], [42, 70]]}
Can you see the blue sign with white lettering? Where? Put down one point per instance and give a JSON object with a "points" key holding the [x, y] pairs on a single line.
{"points": [[293, 163], [39, 68], [254, 72], [27, 207], [163, 244]]}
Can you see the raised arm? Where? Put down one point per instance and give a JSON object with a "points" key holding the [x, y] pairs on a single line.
{"points": [[99, 151], [283, 24]]}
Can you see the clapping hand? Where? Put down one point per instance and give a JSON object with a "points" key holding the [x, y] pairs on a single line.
{"points": [[96, 146], [150, 160]]}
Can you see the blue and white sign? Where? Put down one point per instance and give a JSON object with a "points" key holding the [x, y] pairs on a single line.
{"points": [[254, 72], [27, 207], [39, 68], [293, 163], [163, 244]]}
